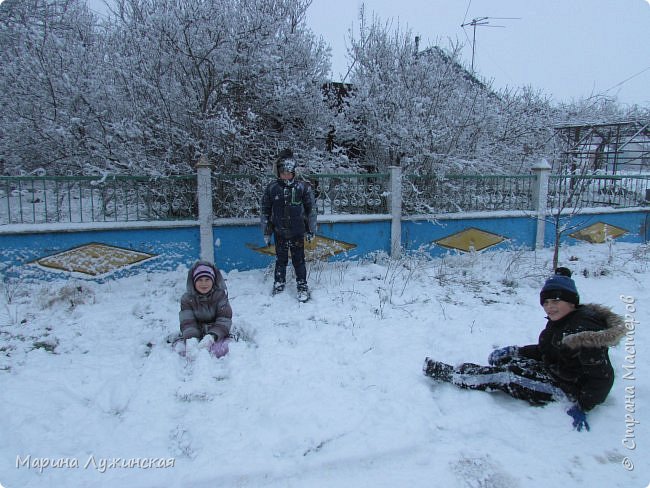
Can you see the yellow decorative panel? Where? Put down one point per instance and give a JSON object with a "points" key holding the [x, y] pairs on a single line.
{"points": [[470, 239], [598, 233], [93, 259], [319, 248]]}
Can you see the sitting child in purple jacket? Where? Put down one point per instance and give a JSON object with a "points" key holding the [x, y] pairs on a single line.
{"points": [[205, 313]]}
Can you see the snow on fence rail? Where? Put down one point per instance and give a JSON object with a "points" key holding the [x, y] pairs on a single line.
{"points": [[239, 195], [467, 193], [45, 199], [351, 193], [618, 191], [129, 198]]}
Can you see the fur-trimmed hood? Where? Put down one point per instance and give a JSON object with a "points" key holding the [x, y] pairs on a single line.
{"points": [[608, 336]]}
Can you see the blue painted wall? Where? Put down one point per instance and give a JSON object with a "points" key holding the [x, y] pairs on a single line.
{"points": [[235, 244], [517, 231], [234, 247], [367, 236], [635, 222], [172, 246]]}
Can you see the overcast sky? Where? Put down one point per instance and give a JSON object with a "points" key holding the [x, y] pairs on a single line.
{"points": [[568, 48]]}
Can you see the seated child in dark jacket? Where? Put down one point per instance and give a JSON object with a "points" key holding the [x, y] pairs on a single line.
{"points": [[570, 359], [205, 313]]}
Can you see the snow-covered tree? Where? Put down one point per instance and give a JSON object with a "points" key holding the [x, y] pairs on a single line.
{"points": [[159, 84], [47, 89], [234, 80], [423, 110]]}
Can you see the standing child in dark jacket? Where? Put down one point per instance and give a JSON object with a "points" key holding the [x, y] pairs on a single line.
{"points": [[570, 359], [288, 212], [205, 313]]}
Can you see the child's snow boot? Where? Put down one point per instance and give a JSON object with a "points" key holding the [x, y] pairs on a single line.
{"points": [[303, 292], [278, 287], [437, 370]]}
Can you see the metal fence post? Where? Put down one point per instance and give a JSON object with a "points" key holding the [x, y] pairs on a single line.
{"points": [[540, 199], [204, 195], [395, 211]]}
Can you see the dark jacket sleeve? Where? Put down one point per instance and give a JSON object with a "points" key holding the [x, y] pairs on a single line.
{"points": [[309, 206], [596, 379], [265, 214], [530, 351]]}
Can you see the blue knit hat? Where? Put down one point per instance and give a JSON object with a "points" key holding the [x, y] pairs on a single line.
{"points": [[560, 286]]}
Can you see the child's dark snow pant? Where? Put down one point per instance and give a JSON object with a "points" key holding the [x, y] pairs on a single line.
{"points": [[297, 247], [521, 378]]}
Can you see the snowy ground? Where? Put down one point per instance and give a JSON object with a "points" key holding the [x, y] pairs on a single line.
{"points": [[324, 394]]}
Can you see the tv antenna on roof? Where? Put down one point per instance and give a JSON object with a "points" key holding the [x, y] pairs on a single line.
{"points": [[482, 22]]}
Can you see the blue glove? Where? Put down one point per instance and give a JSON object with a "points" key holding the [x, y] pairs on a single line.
{"points": [[579, 418], [309, 236], [503, 355]]}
